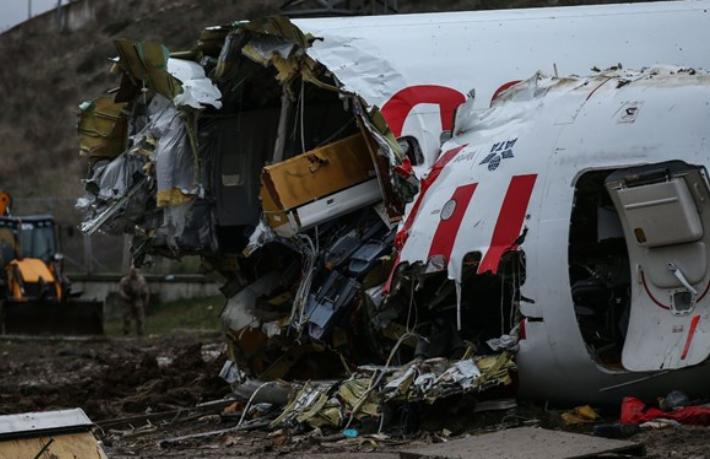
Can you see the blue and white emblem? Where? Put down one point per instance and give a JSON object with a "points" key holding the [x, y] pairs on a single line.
{"points": [[499, 152]]}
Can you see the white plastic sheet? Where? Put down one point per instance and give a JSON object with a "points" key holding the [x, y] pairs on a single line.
{"points": [[198, 91]]}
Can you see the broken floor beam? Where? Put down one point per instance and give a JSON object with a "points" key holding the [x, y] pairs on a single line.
{"points": [[274, 392], [251, 425], [201, 409]]}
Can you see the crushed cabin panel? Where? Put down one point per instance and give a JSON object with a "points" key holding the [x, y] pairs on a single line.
{"points": [[102, 127]]}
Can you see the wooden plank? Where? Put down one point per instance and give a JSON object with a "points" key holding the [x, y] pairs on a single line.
{"points": [[76, 445]]}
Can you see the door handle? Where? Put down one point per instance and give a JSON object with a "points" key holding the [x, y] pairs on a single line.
{"points": [[683, 280]]}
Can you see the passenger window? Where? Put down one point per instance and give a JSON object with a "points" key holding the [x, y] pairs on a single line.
{"points": [[410, 147]]}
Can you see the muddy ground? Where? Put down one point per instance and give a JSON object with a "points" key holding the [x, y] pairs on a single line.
{"points": [[167, 376]]}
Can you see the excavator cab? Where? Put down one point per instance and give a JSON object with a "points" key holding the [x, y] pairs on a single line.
{"points": [[36, 294], [29, 258]]}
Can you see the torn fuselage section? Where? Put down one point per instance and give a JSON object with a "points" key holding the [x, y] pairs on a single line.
{"points": [[445, 316], [146, 176], [248, 152], [326, 204], [179, 152]]}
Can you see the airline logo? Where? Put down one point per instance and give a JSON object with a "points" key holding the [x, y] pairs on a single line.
{"points": [[499, 152]]}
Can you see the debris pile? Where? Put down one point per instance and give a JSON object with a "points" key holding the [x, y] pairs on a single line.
{"points": [[363, 395], [254, 153]]}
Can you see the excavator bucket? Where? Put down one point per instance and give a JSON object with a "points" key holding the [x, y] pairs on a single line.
{"points": [[71, 317]]}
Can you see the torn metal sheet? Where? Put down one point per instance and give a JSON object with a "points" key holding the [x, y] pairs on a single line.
{"points": [[174, 162], [198, 91], [312, 405], [146, 63], [120, 200], [434, 379], [112, 180]]}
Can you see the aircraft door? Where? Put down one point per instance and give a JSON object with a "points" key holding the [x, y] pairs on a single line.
{"points": [[665, 214]]}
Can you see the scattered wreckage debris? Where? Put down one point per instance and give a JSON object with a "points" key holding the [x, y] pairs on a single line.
{"points": [[125, 433], [675, 411], [63, 433], [580, 415], [364, 394]]}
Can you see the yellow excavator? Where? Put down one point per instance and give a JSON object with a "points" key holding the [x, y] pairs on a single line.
{"points": [[35, 295]]}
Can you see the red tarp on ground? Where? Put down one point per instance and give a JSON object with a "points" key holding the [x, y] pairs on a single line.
{"points": [[634, 411]]}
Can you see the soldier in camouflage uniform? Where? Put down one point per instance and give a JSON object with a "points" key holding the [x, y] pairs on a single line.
{"points": [[134, 292]]}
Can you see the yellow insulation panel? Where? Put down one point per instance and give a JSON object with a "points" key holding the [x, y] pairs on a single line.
{"points": [[315, 174]]}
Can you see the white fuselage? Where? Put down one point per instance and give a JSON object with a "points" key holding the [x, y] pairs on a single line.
{"points": [[562, 129], [417, 67]]}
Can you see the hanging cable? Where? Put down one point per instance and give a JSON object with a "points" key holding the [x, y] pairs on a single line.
{"points": [[502, 295], [302, 109]]}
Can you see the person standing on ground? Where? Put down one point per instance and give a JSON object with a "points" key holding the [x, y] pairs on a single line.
{"points": [[134, 291]]}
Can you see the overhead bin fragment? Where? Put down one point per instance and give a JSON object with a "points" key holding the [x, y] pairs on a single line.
{"points": [[291, 189]]}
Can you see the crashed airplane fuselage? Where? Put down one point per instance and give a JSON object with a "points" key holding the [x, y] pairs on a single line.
{"points": [[583, 201], [301, 160]]}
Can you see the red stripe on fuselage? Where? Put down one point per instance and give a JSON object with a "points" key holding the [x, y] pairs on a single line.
{"points": [[402, 235], [424, 185], [397, 108], [510, 221], [445, 235], [691, 333]]}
